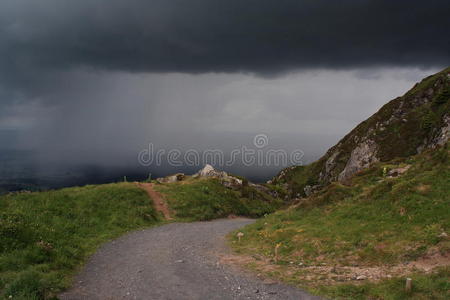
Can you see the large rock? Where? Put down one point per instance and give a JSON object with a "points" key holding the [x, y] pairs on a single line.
{"points": [[226, 179], [398, 171], [443, 134], [171, 178], [361, 157], [207, 170]]}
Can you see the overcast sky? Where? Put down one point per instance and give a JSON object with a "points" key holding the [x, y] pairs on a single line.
{"points": [[95, 81]]}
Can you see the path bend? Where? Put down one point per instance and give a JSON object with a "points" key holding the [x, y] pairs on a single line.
{"points": [[174, 261]]}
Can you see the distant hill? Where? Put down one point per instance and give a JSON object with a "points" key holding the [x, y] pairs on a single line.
{"points": [[405, 126]]}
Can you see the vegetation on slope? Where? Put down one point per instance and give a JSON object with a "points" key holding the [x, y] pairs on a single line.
{"points": [[375, 226], [206, 199], [46, 236], [399, 129]]}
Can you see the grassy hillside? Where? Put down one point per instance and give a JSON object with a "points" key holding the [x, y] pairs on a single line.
{"points": [[46, 236], [377, 229], [206, 199], [401, 128]]}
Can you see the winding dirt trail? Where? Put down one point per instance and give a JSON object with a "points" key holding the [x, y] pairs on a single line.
{"points": [[158, 200], [175, 261]]}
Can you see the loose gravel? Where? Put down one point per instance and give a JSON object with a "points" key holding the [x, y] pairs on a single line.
{"points": [[175, 261]]}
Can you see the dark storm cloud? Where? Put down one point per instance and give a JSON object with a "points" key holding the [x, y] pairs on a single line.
{"points": [[94, 81], [220, 36]]}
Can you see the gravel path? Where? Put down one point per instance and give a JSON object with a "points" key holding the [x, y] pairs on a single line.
{"points": [[175, 261]]}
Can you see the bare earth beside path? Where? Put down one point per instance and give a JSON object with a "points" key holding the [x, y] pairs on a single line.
{"points": [[158, 200], [175, 261]]}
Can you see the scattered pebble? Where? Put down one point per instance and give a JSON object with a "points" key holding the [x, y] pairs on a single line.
{"points": [[443, 235]]}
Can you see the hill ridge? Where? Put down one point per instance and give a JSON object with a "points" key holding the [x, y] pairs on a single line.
{"points": [[405, 126]]}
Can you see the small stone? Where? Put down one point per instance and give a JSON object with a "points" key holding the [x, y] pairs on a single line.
{"points": [[179, 261], [256, 291], [361, 277], [443, 235]]}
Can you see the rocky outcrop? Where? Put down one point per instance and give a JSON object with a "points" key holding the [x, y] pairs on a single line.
{"points": [[310, 189], [361, 157], [171, 178], [209, 171], [405, 126], [443, 134], [225, 179], [281, 175], [398, 171]]}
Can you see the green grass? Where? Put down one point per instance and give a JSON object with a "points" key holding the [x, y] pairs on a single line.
{"points": [[45, 237], [374, 221], [297, 178], [434, 286], [206, 199]]}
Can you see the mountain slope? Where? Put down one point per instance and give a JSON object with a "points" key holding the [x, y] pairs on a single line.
{"points": [[405, 126], [372, 211], [360, 240]]}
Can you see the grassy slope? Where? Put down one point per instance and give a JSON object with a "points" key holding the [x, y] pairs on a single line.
{"points": [[374, 221], [205, 199], [400, 138], [46, 236]]}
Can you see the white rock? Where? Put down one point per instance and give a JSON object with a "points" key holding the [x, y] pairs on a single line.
{"points": [[207, 169]]}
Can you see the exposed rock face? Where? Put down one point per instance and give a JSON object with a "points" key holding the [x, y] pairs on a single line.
{"points": [[207, 170], [330, 166], [405, 126], [361, 157], [310, 189], [443, 134], [226, 179]]}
